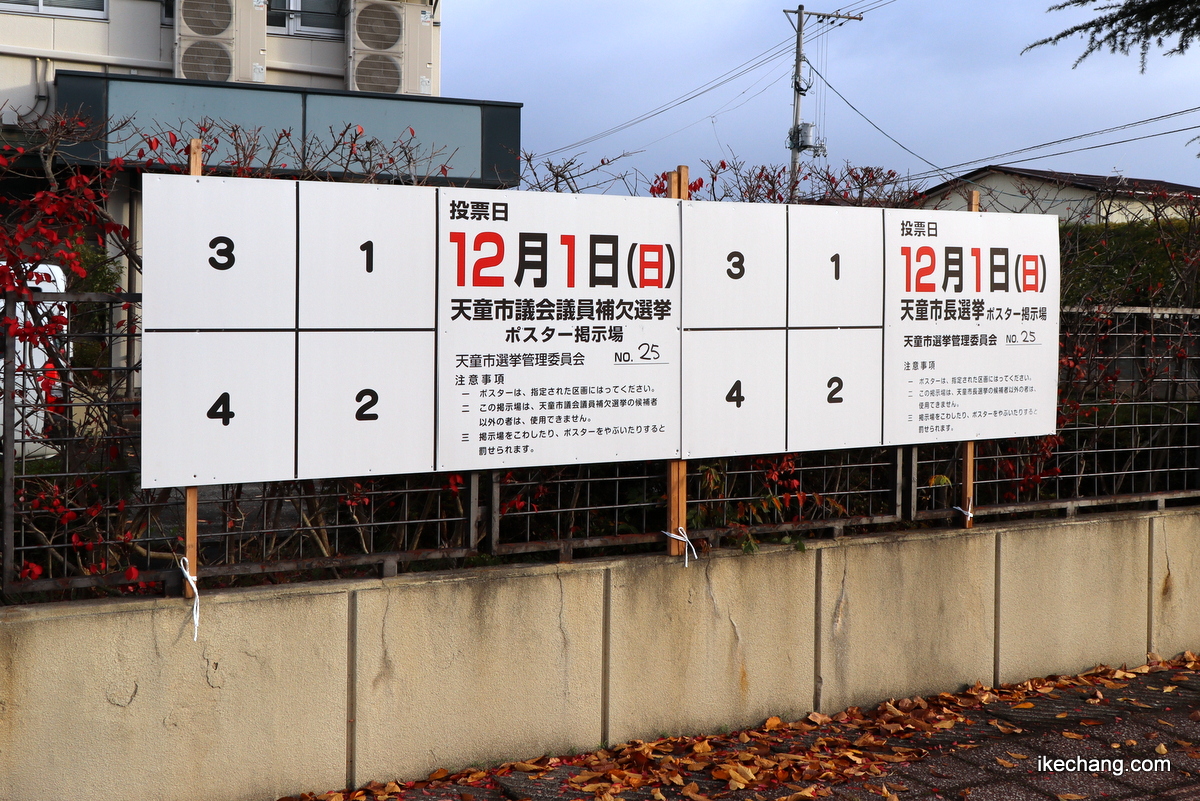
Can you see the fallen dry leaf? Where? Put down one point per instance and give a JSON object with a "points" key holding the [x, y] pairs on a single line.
{"points": [[1006, 763], [1160, 749], [1015, 755], [1071, 797], [1072, 735], [1026, 705]]}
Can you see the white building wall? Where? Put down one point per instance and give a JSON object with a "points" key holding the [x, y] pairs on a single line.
{"points": [[133, 39], [1013, 194]]}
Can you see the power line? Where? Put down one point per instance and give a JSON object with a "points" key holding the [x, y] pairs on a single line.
{"points": [[1113, 129], [871, 122], [762, 59], [944, 171], [1107, 144], [722, 109]]}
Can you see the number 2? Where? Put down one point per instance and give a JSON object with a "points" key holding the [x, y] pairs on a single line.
{"points": [[835, 386], [372, 398], [224, 248]]}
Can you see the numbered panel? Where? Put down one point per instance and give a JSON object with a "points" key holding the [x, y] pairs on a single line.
{"points": [[220, 408], [558, 329], [971, 332], [220, 253], [835, 257], [367, 256], [734, 393], [834, 389], [365, 403], [735, 265]]}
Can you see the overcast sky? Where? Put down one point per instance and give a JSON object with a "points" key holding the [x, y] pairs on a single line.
{"points": [[945, 78]]}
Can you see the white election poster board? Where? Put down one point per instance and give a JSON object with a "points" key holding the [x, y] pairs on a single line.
{"points": [[312, 330], [971, 326], [558, 329]]}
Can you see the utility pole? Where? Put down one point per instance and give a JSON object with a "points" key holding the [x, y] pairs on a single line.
{"points": [[800, 136]]}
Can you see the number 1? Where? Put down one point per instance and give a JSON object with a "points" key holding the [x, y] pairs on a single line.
{"points": [[836, 258], [368, 247]]}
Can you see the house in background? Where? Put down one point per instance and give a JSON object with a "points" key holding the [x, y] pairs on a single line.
{"points": [[1072, 196]]}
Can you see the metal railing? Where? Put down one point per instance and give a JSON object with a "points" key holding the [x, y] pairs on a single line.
{"points": [[76, 520]]}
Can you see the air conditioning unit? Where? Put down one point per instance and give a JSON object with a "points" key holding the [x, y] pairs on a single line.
{"points": [[391, 47], [221, 40]]}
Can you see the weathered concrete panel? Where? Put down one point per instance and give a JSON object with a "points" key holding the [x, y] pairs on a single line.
{"points": [[115, 699], [448, 669], [906, 616], [476, 667], [1175, 584], [1072, 594], [727, 641]]}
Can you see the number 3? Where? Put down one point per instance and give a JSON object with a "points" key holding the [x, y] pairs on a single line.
{"points": [[224, 248], [739, 265]]}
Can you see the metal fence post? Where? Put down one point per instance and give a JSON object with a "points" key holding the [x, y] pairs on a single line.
{"points": [[473, 515], [908, 483], [492, 543], [10, 427]]}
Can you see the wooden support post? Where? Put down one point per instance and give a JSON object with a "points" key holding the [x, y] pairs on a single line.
{"points": [[195, 155], [191, 528], [968, 450], [677, 188], [191, 536]]}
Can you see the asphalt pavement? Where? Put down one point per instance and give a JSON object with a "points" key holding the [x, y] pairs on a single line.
{"points": [[1125, 735]]}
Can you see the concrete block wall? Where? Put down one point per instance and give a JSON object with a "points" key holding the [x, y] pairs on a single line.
{"points": [[317, 686]]}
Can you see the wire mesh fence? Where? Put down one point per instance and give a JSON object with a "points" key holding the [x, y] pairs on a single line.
{"points": [[76, 519]]}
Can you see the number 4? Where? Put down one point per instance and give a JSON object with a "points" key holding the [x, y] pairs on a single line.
{"points": [[220, 410], [735, 394]]}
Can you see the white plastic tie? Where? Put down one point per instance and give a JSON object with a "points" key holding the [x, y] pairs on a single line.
{"points": [[683, 537], [183, 565], [970, 515]]}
